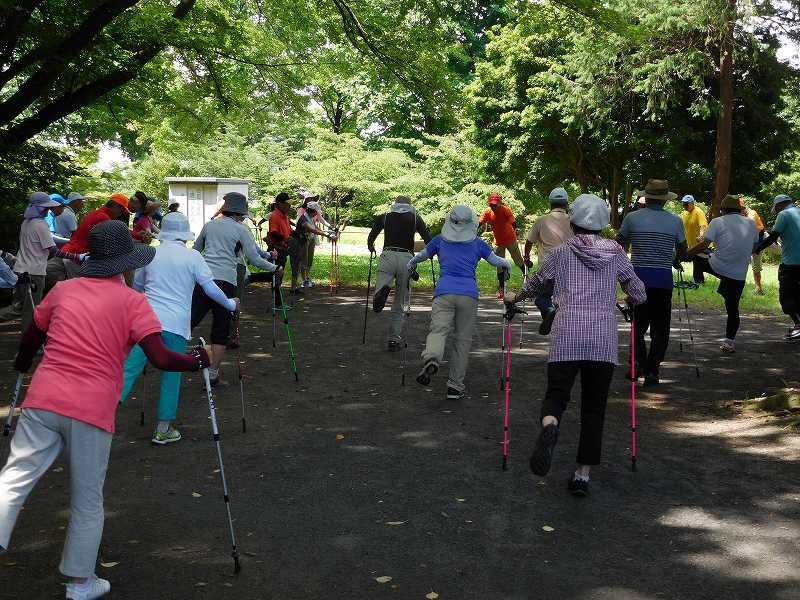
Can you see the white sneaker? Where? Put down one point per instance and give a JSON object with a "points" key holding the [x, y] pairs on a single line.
{"points": [[727, 346], [94, 587]]}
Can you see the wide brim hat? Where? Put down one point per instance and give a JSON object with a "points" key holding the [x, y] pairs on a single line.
{"points": [[461, 225], [112, 251], [589, 212], [74, 196], [235, 202], [38, 201], [658, 189], [780, 199], [731, 202], [175, 227]]}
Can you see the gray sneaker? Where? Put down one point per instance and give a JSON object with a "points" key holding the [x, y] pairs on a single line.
{"points": [[171, 436]]}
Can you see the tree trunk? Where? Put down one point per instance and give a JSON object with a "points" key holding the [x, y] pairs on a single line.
{"points": [[722, 162]]}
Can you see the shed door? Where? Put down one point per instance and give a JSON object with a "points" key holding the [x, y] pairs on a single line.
{"points": [[194, 200]]}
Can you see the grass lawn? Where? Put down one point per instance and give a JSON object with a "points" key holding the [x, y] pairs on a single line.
{"points": [[354, 271]]}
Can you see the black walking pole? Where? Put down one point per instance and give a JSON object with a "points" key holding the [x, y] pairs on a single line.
{"points": [[683, 285], [433, 273], [13, 406], [212, 409], [366, 302], [241, 372]]}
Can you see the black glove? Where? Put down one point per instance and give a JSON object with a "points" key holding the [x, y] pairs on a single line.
{"points": [[414, 275]]}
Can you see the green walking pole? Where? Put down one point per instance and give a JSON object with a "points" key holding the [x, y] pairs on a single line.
{"points": [[288, 335]]}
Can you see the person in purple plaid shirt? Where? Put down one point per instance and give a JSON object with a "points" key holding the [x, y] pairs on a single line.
{"points": [[583, 273]]}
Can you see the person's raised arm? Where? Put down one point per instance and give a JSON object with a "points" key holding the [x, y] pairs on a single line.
{"points": [[769, 239], [164, 359]]}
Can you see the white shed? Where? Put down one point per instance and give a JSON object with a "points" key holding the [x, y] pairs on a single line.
{"points": [[201, 197]]}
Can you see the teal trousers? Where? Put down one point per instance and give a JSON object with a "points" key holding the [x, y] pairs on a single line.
{"points": [[170, 380]]}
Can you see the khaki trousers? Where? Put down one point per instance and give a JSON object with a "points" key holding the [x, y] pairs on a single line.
{"points": [[40, 437], [393, 268], [513, 250], [452, 316]]}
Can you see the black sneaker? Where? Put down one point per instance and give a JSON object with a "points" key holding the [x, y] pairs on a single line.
{"points": [[651, 380], [296, 292], [379, 301], [543, 452], [429, 370], [793, 334], [547, 321], [454, 394], [578, 487], [394, 345]]}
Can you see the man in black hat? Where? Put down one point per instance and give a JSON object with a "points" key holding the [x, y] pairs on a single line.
{"points": [[219, 242], [399, 226], [657, 242]]}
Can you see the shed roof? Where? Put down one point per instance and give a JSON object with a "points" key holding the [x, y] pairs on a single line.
{"points": [[205, 180]]}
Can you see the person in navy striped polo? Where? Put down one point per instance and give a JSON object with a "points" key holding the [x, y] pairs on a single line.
{"points": [[657, 242]]}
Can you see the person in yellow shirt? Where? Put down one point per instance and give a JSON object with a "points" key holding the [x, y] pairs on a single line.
{"points": [[752, 214], [694, 225]]}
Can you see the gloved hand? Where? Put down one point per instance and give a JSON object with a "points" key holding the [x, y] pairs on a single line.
{"points": [[200, 354], [82, 258], [371, 249], [677, 265], [238, 304], [528, 262], [414, 275], [411, 266]]}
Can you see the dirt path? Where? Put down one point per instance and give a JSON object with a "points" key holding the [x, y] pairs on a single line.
{"points": [[347, 477]]}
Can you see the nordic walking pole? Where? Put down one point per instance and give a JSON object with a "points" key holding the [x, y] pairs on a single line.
{"points": [[288, 335], [680, 323], [503, 339], [433, 273], [212, 409], [13, 406], [689, 323], [274, 322], [508, 316], [522, 318], [366, 303], [241, 374], [628, 314], [412, 276]]}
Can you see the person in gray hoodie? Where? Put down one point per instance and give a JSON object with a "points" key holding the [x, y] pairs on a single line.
{"points": [[583, 273]]}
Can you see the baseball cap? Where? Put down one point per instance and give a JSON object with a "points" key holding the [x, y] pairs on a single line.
{"points": [[494, 199], [780, 199], [688, 198], [122, 200]]}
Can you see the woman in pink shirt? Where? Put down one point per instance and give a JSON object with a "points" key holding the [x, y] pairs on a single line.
{"points": [[90, 323]]}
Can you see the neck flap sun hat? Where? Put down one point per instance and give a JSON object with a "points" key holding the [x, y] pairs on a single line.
{"points": [[559, 197], [658, 189], [780, 199], [175, 227], [37, 203], [461, 225], [590, 212], [235, 203], [112, 251]]}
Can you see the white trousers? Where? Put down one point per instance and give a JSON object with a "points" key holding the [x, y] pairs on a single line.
{"points": [[39, 439]]}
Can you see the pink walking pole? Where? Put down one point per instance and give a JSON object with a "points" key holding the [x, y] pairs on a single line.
{"points": [[508, 393], [633, 394]]}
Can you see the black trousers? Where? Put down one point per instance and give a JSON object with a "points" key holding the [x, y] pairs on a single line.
{"points": [[595, 381], [655, 314], [789, 289], [221, 317], [698, 270], [731, 291]]}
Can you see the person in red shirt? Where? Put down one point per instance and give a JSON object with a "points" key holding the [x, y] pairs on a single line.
{"points": [[90, 323], [504, 229], [280, 239], [116, 207]]}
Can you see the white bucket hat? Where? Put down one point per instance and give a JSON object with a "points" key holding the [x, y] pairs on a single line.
{"points": [[590, 212], [175, 227], [461, 225]]}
